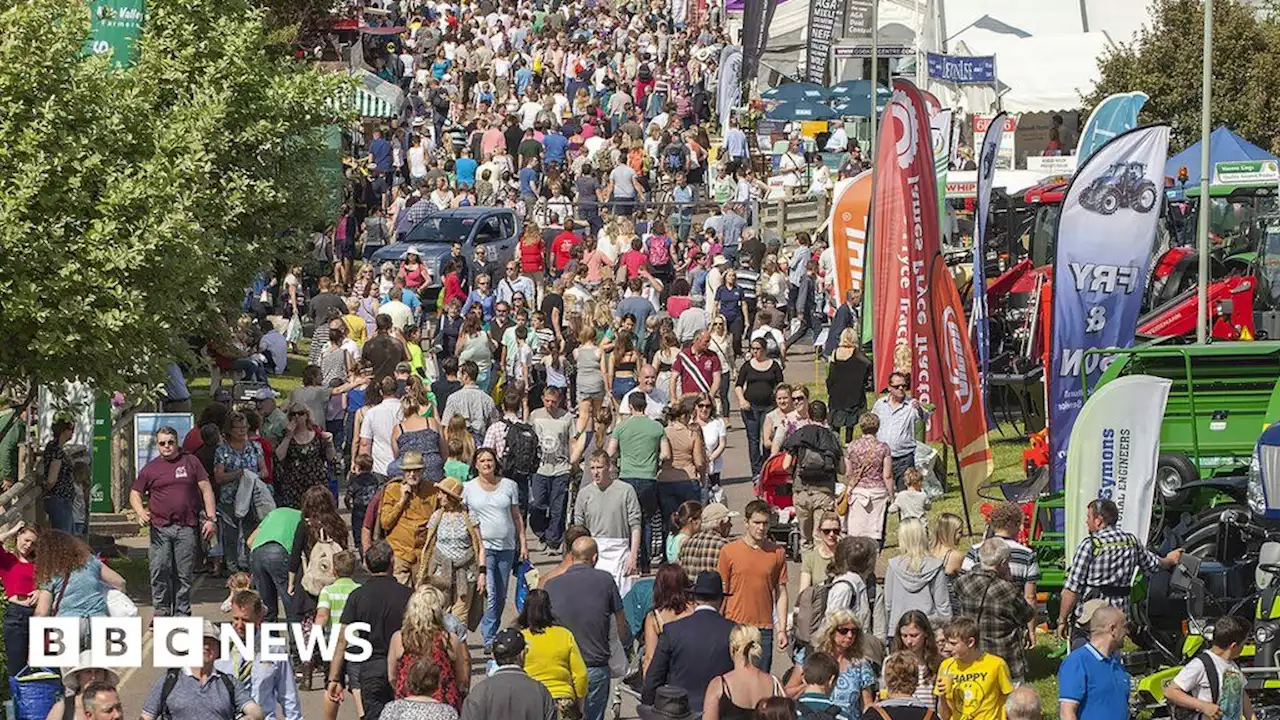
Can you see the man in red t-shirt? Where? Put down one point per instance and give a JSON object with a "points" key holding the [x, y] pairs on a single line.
{"points": [[697, 369], [177, 487], [563, 244]]}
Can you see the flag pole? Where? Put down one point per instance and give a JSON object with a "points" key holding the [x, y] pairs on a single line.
{"points": [[1202, 244]]}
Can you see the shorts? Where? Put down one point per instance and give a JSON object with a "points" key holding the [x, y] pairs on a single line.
{"points": [[344, 250], [622, 386], [369, 250]]}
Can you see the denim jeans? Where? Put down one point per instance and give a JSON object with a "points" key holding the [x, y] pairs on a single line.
{"points": [[671, 495], [61, 514], [173, 565], [647, 493], [229, 535], [753, 422], [254, 371], [17, 634], [765, 661], [270, 567], [598, 683], [547, 497], [497, 576]]}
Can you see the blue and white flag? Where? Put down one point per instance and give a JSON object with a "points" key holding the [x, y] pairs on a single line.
{"points": [[1105, 237], [1114, 115], [986, 177]]}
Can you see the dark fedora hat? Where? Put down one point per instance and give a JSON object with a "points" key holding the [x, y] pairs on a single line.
{"points": [[709, 585], [669, 703]]}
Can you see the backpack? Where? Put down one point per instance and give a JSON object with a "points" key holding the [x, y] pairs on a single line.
{"points": [[1177, 712], [811, 609], [171, 681], [674, 158], [830, 712], [524, 449], [319, 566], [645, 73], [659, 250], [814, 465]]}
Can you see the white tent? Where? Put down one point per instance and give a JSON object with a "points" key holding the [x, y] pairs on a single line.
{"points": [[1041, 73]]}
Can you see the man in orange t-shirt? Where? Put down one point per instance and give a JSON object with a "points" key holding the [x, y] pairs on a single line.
{"points": [[754, 569]]}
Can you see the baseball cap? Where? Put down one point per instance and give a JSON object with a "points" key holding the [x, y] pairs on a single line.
{"points": [[508, 643], [1089, 608], [404, 367], [715, 513]]}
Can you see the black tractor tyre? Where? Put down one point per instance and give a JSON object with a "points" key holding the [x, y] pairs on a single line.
{"points": [[1178, 463], [1146, 198], [1109, 201]]}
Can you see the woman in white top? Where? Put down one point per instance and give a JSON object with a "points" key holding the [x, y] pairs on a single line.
{"points": [[494, 503], [418, 161], [714, 436]]}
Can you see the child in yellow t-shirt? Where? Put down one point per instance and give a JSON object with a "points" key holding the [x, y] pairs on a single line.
{"points": [[972, 685]]}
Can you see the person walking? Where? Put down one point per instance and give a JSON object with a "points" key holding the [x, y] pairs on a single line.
{"points": [[269, 681], [697, 369], [423, 636], [868, 468], [848, 317], [380, 602], [701, 552], [900, 417], [815, 561], [820, 671], [813, 457], [176, 488], [640, 444], [734, 695], [758, 380], [304, 458], [847, 383], [471, 403], [612, 514], [552, 656], [682, 478], [841, 637], [236, 456], [510, 691], [754, 569], [914, 580], [494, 501], [453, 553], [588, 601], [971, 683], [993, 602], [406, 509], [1006, 522], [1094, 685], [202, 691], [422, 685], [693, 650], [322, 534], [59, 481], [561, 452]]}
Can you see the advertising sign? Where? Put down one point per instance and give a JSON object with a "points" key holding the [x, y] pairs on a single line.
{"points": [[857, 18], [1052, 164], [114, 27], [986, 177], [1105, 233], [1115, 114], [824, 16], [1114, 449], [1005, 154], [962, 70], [1245, 171], [851, 201]]}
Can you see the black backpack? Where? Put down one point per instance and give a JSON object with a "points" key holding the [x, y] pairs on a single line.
{"points": [[814, 465], [675, 158], [171, 681], [1177, 712], [524, 449]]}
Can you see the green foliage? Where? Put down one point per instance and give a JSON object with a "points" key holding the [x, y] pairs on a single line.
{"points": [[1165, 62], [136, 205]]}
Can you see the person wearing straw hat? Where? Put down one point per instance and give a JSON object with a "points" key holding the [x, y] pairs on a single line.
{"points": [[453, 554], [84, 674], [407, 507]]}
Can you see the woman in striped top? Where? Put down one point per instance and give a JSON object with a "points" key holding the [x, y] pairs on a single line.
{"points": [[915, 635]]}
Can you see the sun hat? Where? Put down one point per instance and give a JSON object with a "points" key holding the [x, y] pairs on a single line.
{"points": [[451, 486], [71, 678], [715, 513]]}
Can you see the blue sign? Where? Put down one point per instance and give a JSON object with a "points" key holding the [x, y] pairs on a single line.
{"points": [[1113, 116], [1105, 234], [959, 70]]}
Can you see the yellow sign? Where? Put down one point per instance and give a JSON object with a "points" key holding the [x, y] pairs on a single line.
{"points": [[811, 128]]}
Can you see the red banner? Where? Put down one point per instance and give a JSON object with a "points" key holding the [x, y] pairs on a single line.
{"points": [[921, 328], [906, 242]]}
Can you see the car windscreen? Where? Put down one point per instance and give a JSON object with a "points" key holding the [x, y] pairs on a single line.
{"points": [[441, 230]]}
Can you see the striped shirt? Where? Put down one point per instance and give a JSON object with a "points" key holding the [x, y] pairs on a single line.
{"points": [[334, 598], [747, 280], [1023, 567]]}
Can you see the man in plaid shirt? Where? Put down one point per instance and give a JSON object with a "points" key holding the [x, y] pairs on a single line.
{"points": [[990, 599], [1105, 563], [701, 553]]}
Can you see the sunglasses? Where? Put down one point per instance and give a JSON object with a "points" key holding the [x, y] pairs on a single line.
{"points": [[830, 531], [898, 387], [705, 405], [847, 631], [166, 443], [300, 413], [798, 397]]}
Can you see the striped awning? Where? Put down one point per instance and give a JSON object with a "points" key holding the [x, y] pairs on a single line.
{"points": [[371, 96], [369, 104]]}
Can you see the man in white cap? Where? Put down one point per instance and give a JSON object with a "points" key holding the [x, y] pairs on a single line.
{"points": [[78, 678], [203, 691], [274, 421]]}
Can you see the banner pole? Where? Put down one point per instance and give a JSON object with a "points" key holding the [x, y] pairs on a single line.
{"points": [[1202, 244], [875, 66]]}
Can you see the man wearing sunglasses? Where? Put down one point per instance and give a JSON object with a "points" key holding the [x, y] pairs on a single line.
{"points": [[177, 488], [900, 417]]}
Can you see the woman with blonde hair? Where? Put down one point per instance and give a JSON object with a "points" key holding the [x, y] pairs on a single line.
{"points": [[418, 432], [868, 469], [914, 580], [948, 529], [734, 695], [422, 635], [592, 367], [721, 344], [842, 638], [847, 383]]}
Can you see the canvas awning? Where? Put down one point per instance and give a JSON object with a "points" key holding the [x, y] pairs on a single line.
{"points": [[374, 97]]}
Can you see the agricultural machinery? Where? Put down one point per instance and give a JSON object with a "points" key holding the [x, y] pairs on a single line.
{"points": [[1124, 185]]}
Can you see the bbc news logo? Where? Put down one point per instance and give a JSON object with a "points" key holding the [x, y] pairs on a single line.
{"points": [[178, 642]]}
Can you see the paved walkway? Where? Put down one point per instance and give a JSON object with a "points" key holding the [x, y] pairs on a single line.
{"points": [[209, 594]]}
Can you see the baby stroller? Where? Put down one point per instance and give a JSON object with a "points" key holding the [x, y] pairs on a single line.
{"points": [[774, 487]]}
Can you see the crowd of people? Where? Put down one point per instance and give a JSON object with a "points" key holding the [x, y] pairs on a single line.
{"points": [[572, 396]]}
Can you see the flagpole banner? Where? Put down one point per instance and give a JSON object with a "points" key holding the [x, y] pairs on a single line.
{"points": [[756, 16], [1116, 114], [963, 407], [940, 131], [728, 84], [959, 70], [986, 176], [824, 16], [1114, 449], [1105, 237], [906, 243], [848, 222]]}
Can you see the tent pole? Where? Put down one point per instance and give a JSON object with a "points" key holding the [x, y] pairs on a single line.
{"points": [[1202, 244]]}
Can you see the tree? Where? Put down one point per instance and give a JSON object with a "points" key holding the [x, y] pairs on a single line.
{"points": [[1165, 62], [136, 205]]}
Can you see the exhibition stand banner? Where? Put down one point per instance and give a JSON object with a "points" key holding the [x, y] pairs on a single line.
{"points": [[1116, 114], [986, 177]]}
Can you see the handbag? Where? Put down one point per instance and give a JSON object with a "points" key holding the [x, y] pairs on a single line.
{"points": [[120, 604], [842, 504]]}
